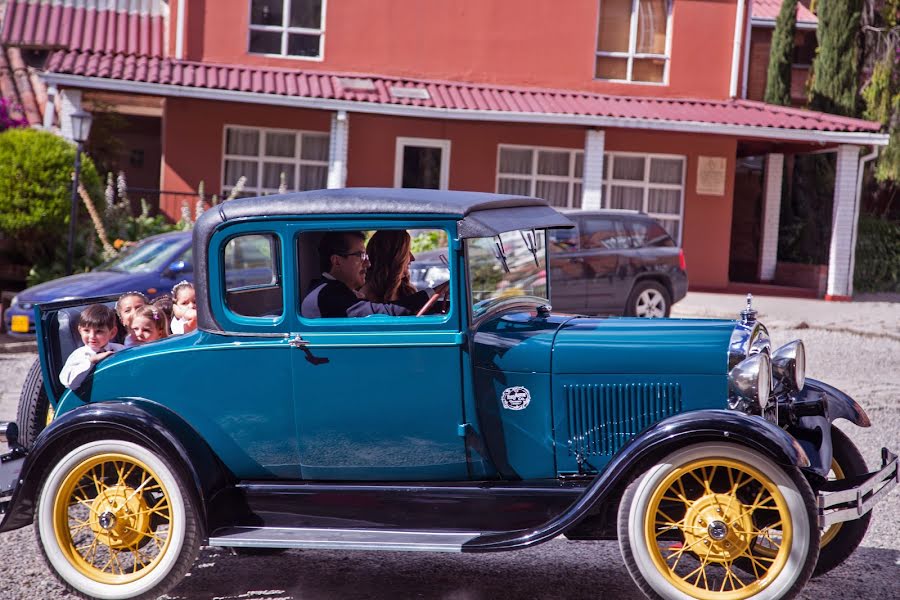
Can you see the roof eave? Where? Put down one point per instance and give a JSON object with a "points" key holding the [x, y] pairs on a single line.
{"points": [[750, 131], [770, 23]]}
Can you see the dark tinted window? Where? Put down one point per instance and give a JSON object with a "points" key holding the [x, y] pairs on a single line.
{"points": [[649, 234], [563, 240], [602, 234]]}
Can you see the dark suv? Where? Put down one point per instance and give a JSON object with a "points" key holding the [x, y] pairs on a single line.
{"points": [[615, 262]]}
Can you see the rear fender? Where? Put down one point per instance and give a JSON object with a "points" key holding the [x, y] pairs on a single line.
{"points": [[647, 449], [139, 420]]}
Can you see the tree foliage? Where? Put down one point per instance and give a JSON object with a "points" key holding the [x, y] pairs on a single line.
{"points": [[778, 77], [835, 85], [35, 198], [881, 92]]}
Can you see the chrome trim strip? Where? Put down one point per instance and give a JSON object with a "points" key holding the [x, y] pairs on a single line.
{"points": [[341, 539], [861, 498]]}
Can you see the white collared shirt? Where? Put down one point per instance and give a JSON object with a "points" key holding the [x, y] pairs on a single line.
{"points": [[79, 365]]}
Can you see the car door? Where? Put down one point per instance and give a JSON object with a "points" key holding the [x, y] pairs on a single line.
{"points": [[568, 280], [602, 239], [378, 397]]}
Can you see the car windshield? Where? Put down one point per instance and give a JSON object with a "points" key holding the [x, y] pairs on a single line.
{"points": [[524, 274], [146, 257]]}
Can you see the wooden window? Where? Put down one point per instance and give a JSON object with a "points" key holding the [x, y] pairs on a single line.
{"points": [[265, 156], [633, 40], [554, 174], [294, 28], [650, 183]]}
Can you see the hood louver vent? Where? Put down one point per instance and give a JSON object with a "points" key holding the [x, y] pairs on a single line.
{"points": [[602, 418]]}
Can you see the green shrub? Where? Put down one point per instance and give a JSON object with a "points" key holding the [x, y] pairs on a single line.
{"points": [[877, 255], [35, 194]]}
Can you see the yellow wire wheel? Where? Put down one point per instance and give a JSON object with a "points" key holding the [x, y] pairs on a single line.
{"points": [[717, 522], [112, 520]]}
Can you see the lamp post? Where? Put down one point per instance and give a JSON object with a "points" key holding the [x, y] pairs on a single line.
{"points": [[81, 127]]}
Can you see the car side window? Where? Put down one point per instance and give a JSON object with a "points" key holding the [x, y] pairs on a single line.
{"points": [[602, 234], [252, 275], [564, 240], [648, 234]]}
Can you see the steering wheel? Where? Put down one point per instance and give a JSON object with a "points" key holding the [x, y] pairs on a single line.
{"points": [[431, 301]]}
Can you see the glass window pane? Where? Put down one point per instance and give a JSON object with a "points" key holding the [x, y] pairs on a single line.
{"points": [[651, 30], [251, 276], [421, 167], [266, 12], [554, 192], [313, 178], [265, 42], [272, 175], [306, 13], [514, 187], [648, 69], [314, 147], [576, 195], [516, 161], [671, 227], [599, 234], [609, 67], [579, 164], [235, 169], [553, 163], [665, 170], [303, 44], [664, 201], [615, 25], [242, 142], [281, 144], [626, 197], [629, 168]]}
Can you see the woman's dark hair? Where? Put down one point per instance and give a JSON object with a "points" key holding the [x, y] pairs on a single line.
{"points": [[388, 277], [335, 242]]}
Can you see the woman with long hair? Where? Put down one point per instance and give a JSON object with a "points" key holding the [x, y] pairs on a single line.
{"points": [[387, 279]]}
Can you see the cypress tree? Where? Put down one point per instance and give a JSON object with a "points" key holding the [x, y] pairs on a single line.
{"points": [[778, 76], [836, 66]]}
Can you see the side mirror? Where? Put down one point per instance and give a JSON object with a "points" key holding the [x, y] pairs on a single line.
{"points": [[177, 268]]}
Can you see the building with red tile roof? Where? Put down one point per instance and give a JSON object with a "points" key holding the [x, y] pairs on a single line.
{"points": [[611, 103]]}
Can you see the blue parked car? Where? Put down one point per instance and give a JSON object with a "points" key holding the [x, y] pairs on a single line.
{"points": [[477, 422], [151, 267]]}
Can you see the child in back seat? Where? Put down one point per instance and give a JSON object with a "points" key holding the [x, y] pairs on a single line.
{"points": [[97, 326]]}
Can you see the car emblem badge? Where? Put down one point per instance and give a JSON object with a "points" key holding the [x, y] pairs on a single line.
{"points": [[516, 398]]}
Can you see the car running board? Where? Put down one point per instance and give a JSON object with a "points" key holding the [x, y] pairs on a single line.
{"points": [[340, 539]]}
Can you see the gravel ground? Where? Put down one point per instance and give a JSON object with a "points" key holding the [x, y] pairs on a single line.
{"points": [[866, 365]]}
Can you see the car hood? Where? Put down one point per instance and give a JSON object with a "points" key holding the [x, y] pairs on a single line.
{"points": [[82, 285], [642, 346]]}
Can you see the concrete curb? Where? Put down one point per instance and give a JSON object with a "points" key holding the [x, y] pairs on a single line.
{"points": [[18, 347]]}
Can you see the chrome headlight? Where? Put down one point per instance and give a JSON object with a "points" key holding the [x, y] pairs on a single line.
{"points": [[789, 365], [749, 384]]}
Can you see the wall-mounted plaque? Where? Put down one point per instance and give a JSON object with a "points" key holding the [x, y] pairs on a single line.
{"points": [[711, 173]]}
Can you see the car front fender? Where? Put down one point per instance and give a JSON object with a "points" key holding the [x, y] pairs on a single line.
{"points": [[140, 420]]}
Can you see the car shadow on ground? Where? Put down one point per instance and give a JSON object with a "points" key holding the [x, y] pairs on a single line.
{"points": [[559, 569]]}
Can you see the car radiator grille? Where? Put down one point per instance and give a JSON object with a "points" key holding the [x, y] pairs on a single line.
{"points": [[602, 418]]}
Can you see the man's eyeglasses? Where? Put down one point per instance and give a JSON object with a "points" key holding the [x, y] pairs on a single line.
{"points": [[363, 257]]}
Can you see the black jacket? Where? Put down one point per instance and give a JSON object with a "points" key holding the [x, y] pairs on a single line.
{"points": [[332, 298]]}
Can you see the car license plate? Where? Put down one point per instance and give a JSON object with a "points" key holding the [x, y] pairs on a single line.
{"points": [[19, 323]]}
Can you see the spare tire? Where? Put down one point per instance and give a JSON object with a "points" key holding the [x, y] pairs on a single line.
{"points": [[34, 411]]}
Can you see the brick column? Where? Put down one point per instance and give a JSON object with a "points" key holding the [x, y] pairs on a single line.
{"points": [[843, 224], [768, 250], [70, 102], [337, 149], [592, 188]]}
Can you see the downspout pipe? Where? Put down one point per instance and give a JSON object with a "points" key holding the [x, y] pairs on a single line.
{"points": [[857, 203], [736, 51], [179, 31]]}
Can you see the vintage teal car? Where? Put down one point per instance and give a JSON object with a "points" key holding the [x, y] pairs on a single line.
{"points": [[486, 422]]}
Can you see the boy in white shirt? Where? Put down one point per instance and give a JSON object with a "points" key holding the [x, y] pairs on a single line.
{"points": [[97, 326]]}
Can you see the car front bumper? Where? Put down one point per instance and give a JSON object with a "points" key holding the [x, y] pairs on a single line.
{"points": [[19, 322], [848, 499]]}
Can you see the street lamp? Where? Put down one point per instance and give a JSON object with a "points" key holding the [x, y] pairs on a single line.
{"points": [[81, 128]]}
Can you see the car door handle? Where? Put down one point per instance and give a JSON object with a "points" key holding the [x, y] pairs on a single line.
{"points": [[298, 342]]}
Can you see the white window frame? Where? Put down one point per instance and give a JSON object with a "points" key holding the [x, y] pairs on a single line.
{"points": [[533, 177], [403, 142], [647, 185], [632, 53], [285, 29], [261, 158]]}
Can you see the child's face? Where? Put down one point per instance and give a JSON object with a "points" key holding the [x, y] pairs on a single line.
{"points": [[184, 301], [127, 306], [144, 330], [96, 338]]}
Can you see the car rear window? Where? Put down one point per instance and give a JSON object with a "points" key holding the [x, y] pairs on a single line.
{"points": [[646, 234]]}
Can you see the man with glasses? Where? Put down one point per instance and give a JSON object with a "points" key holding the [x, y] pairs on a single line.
{"points": [[343, 261]]}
